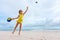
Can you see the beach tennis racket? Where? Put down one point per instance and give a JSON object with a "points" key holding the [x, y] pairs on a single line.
{"points": [[9, 19]]}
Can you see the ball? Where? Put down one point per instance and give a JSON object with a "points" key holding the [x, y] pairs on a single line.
{"points": [[36, 2], [9, 19]]}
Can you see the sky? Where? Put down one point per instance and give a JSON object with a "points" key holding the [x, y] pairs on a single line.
{"points": [[45, 12]]}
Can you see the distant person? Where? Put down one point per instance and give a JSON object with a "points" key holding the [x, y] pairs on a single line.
{"points": [[20, 20]]}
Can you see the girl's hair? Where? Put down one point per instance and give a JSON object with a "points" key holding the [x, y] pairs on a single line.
{"points": [[20, 11]]}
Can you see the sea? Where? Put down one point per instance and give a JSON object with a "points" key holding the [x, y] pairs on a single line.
{"points": [[29, 28]]}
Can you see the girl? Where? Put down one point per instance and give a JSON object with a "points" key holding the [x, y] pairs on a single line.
{"points": [[20, 20]]}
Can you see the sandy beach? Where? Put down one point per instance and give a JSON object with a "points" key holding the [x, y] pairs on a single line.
{"points": [[31, 35]]}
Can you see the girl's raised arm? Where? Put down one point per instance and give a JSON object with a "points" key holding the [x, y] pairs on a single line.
{"points": [[26, 10]]}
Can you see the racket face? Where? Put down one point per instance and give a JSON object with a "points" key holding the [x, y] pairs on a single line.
{"points": [[9, 19]]}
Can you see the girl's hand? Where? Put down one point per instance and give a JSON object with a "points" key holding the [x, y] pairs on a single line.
{"points": [[12, 18], [27, 7]]}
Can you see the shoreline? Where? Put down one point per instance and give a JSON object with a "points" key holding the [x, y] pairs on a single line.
{"points": [[36, 30]]}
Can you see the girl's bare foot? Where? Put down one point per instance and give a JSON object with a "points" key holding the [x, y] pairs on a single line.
{"points": [[19, 33], [12, 32]]}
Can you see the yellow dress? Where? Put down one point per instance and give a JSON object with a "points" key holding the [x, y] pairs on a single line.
{"points": [[20, 18]]}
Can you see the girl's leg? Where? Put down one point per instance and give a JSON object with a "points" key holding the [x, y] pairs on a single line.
{"points": [[20, 28], [15, 27]]}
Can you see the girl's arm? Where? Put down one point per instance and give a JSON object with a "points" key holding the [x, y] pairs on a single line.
{"points": [[15, 18], [26, 10]]}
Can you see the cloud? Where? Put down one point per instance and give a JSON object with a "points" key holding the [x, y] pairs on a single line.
{"points": [[45, 12]]}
